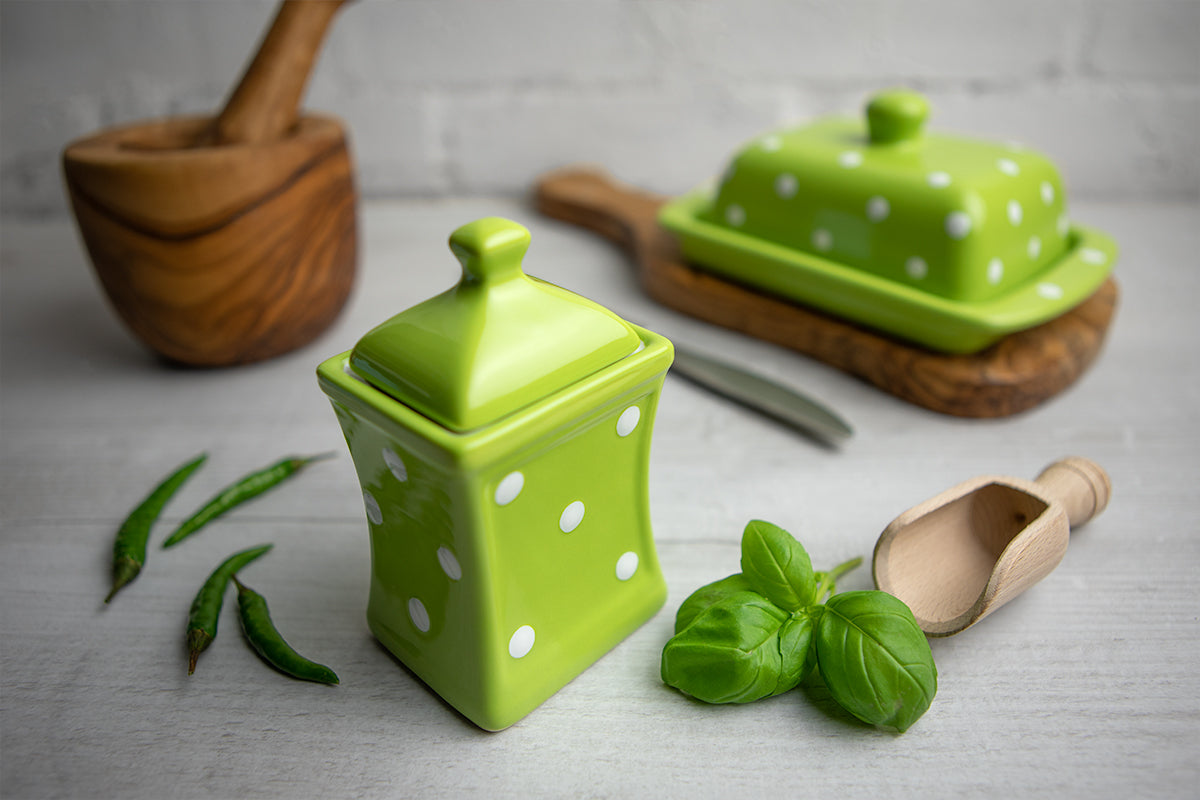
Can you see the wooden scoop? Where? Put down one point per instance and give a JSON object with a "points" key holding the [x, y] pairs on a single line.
{"points": [[958, 557], [227, 239]]}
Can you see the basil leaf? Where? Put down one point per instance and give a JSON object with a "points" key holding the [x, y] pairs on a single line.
{"points": [[874, 659], [777, 566], [797, 655], [730, 653], [705, 596]]}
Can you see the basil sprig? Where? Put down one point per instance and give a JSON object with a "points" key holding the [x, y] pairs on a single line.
{"points": [[764, 630]]}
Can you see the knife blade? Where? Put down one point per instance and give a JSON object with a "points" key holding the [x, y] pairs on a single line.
{"points": [[761, 394]]}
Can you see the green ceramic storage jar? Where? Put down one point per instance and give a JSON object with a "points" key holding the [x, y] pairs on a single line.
{"points": [[501, 435], [946, 241]]}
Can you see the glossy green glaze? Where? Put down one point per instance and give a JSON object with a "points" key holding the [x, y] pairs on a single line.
{"points": [[494, 343], [507, 557], [948, 242]]}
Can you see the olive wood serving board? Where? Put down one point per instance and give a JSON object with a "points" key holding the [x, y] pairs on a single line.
{"points": [[1015, 374]]}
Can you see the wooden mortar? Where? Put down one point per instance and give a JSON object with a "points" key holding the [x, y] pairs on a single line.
{"points": [[229, 239]]}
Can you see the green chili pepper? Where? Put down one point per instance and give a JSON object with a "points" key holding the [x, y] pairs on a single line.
{"points": [[129, 548], [206, 608], [237, 493], [269, 644]]}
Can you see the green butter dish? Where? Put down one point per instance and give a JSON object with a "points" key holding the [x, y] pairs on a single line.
{"points": [[501, 435], [948, 242]]}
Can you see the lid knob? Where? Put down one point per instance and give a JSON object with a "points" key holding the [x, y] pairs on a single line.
{"points": [[490, 249], [896, 115]]}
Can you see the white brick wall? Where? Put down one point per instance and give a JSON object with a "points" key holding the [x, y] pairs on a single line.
{"points": [[471, 96]]}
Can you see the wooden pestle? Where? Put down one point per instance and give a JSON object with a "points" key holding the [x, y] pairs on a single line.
{"points": [[959, 556], [228, 239], [263, 107]]}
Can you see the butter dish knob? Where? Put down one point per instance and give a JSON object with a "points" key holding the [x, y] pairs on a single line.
{"points": [[896, 115], [490, 249]]}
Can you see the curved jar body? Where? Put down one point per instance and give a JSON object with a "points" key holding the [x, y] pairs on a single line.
{"points": [[508, 557]]}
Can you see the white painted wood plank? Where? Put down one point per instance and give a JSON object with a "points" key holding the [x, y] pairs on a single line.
{"points": [[1085, 685]]}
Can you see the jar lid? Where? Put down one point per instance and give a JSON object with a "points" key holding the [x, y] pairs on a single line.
{"points": [[494, 343]]}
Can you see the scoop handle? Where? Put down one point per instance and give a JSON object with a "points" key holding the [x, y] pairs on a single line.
{"points": [[265, 104], [1080, 485]]}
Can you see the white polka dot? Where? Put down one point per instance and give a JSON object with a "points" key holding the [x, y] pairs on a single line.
{"points": [[418, 614], [1034, 248], [938, 180], [958, 224], [916, 267], [850, 159], [1050, 291], [628, 420], [822, 239], [1008, 166], [735, 215], [395, 464], [627, 564], [771, 143], [1047, 192], [1014, 212], [995, 271], [786, 185], [1064, 225], [571, 516], [449, 563], [373, 512], [509, 488], [521, 642], [1091, 255], [878, 209]]}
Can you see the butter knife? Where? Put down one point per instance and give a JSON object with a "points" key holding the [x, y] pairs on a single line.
{"points": [[760, 394]]}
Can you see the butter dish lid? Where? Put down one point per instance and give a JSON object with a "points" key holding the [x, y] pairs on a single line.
{"points": [[954, 216], [494, 343]]}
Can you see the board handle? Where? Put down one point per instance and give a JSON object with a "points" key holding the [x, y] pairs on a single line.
{"points": [[591, 198], [1080, 485], [265, 105]]}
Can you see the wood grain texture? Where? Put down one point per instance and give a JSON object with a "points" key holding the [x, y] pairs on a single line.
{"points": [[219, 256], [964, 553], [228, 239], [263, 106], [1013, 375]]}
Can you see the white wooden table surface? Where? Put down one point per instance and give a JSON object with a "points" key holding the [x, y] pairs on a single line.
{"points": [[1088, 685]]}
